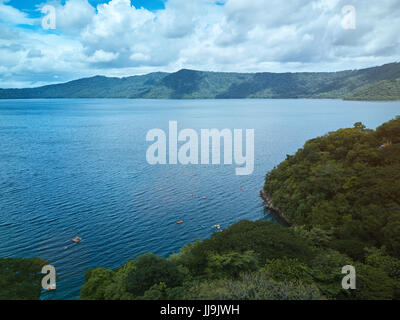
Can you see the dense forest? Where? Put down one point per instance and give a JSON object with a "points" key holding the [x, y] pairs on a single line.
{"points": [[347, 183], [250, 261], [377, 83], [21, 279], [341, 195]]}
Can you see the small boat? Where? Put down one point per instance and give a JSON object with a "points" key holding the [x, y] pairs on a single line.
{"points": [[241, 189], [193, 195], [217, 226], [179, 222], [77, 239], [204, 197]]}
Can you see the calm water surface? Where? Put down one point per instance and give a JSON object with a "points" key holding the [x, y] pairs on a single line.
{"points": [[78, 167]]}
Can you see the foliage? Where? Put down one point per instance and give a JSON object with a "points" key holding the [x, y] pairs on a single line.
{"points": [[197, 273], [149, 270], [253, 287], [373, 284], [379, 258], [325, 270], [97, 281], [230, 265], [346, 182], [317, 237], [146, 276], [287, 269], [382, 90], [21, 279]]}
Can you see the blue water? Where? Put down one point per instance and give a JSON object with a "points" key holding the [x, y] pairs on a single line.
{"points": [[78, 167]]}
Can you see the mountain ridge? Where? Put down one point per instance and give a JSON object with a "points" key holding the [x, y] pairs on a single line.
{"points": [[374, 83]]}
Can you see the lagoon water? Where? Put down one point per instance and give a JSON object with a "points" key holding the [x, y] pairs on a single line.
{"points": [[78, 167]]}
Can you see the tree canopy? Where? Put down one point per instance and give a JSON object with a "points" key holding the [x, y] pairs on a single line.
{"points": [[346, 182], [21, 279]]}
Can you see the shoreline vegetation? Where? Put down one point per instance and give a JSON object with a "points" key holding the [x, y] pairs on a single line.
{"points": [[346, 181], [341, 194], [274, 210], [380, 83]]}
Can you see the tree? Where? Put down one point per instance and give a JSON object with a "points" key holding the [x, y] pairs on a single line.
{"points": [[287, 269], [21, 279], [346, 182], [379, 258], [372, 284], [325, 270], [150, 270], [156, 292], [230, 265], [254, 286], [97, 281], [389, 131]]}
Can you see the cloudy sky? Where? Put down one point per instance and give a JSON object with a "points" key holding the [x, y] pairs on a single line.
{"points": [[123, 37]]}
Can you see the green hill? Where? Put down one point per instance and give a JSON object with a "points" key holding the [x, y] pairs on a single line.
{"points": [[382, 90], [377, 83], [346, 182]]}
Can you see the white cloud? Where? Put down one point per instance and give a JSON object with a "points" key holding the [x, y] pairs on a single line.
{"points": [[260, 35], [10, 15], [102, 56], [73, 16]]}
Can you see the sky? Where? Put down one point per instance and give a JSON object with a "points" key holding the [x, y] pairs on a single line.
{"points": [[123, 38]]}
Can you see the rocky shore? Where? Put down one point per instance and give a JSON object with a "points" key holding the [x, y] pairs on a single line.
{"points": [[276, 211]]}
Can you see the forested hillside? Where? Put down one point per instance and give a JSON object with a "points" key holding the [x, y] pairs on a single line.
{"points": [[249, 261], [21, 279], [346, 182], [378, 83]]}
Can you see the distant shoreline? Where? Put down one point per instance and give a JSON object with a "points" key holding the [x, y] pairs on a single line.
{"points": [[380, 83], [189, 99]]}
